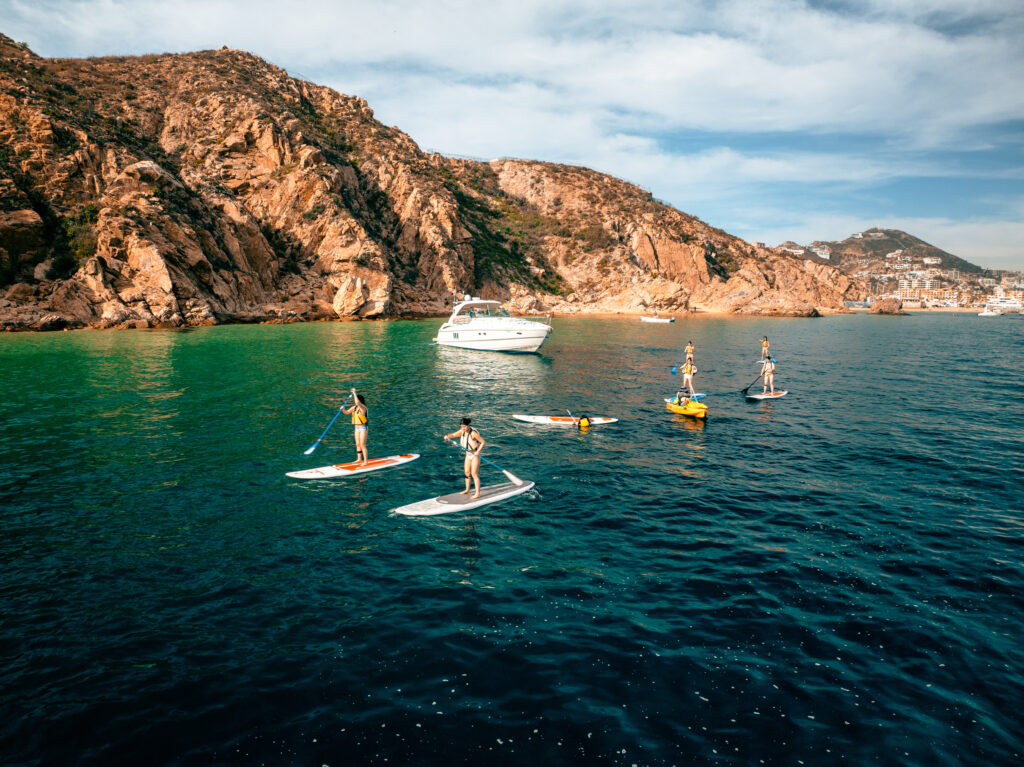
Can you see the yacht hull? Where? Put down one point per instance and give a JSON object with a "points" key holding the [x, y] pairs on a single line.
{"points": [[522, 341]]}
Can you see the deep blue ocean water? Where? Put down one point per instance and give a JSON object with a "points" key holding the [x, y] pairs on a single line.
{"points": [[836, 577]]}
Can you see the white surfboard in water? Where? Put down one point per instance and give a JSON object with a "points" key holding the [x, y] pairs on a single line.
{"points": [[444, 504], [563, 420], [776, 395], [353, 468]]}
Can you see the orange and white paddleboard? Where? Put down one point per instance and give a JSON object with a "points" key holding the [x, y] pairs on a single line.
{"points": [[562, 420], [776, 395], [351, 469]]}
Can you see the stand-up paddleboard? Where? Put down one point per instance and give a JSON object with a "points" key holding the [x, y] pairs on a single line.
{"points": [[443, 504], [351, 469], [776, 395], [562, 420]]}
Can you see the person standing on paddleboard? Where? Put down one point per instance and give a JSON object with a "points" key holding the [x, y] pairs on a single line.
{"points": [[764, 348], [768, 374], [360, 420], [470, 440], [689, 351], [688, 370]]}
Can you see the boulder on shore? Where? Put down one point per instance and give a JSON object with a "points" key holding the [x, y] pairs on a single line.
{"points": [[887, 306]]}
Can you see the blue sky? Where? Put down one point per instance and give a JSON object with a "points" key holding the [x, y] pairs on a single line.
{"points": [[772, 119]]}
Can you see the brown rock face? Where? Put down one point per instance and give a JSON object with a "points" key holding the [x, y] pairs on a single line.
{"points": [[211, 187], [887, 306]]}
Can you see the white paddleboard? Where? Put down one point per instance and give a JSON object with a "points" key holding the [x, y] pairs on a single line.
{"points": [[351, 469], [767, 396], [562, 420], [443, 504]]}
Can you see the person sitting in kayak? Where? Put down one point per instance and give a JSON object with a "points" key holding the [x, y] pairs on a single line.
{"points": [[583, 422], [764, 348], [768, 374], [470, 440], [681, 399], [689, 351], [360, 419], [688, 370]]}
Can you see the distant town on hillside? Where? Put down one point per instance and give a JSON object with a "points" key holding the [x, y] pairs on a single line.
{"points": [[894, 264]]}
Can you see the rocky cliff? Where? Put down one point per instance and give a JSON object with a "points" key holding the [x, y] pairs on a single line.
{"points": [[212, 187]]}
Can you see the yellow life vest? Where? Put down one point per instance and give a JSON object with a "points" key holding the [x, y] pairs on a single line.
{"points": [[358, 418]]}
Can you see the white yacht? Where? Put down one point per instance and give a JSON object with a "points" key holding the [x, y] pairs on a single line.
{"points": [[477, 323], [990, 312], [1003, 304]]}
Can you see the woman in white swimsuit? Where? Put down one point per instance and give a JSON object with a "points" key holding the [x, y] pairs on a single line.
{"points": [[470, 440], [768, 374]]}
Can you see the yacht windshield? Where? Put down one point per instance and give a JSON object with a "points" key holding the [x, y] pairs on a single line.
{"points": [[484, 311]]}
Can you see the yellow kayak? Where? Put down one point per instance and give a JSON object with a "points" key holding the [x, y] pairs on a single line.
{"points": [[691, 408]]}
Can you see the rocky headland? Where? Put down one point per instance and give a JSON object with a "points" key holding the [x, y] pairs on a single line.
{"points": [[887, 306], [210, 187]]}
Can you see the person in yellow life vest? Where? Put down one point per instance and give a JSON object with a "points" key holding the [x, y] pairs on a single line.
{"points": [[583, 423], [689, 351], [360, 420], [471, 441], [764, 348], [688, 370], [768, 374]]}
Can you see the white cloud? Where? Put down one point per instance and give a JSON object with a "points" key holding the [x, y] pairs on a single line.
{"points": [[775, 65]]}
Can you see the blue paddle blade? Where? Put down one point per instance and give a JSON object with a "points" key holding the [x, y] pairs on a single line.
{"points": [[673, 370]]}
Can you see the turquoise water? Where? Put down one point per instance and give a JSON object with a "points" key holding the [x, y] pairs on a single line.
{"points": [[835, 577]]}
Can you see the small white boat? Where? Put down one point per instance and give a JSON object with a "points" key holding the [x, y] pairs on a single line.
{"points": [[657, 319], [990, 312], [1004, 305], [476, 323]]}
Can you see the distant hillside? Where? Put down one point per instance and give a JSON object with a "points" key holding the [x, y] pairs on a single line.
{"points": [[187, 189], [866, 251]]}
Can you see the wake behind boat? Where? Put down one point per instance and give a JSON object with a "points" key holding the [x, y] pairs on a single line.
{"points": [[477, 323], [353, 468]]}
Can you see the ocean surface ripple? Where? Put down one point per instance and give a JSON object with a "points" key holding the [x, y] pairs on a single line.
{"points": [[836, 577]]}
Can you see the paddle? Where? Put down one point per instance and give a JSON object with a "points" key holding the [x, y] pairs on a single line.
{"points": [[744, 391], [315, 444], [577, 420], [512, 477], [673, 370]]}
